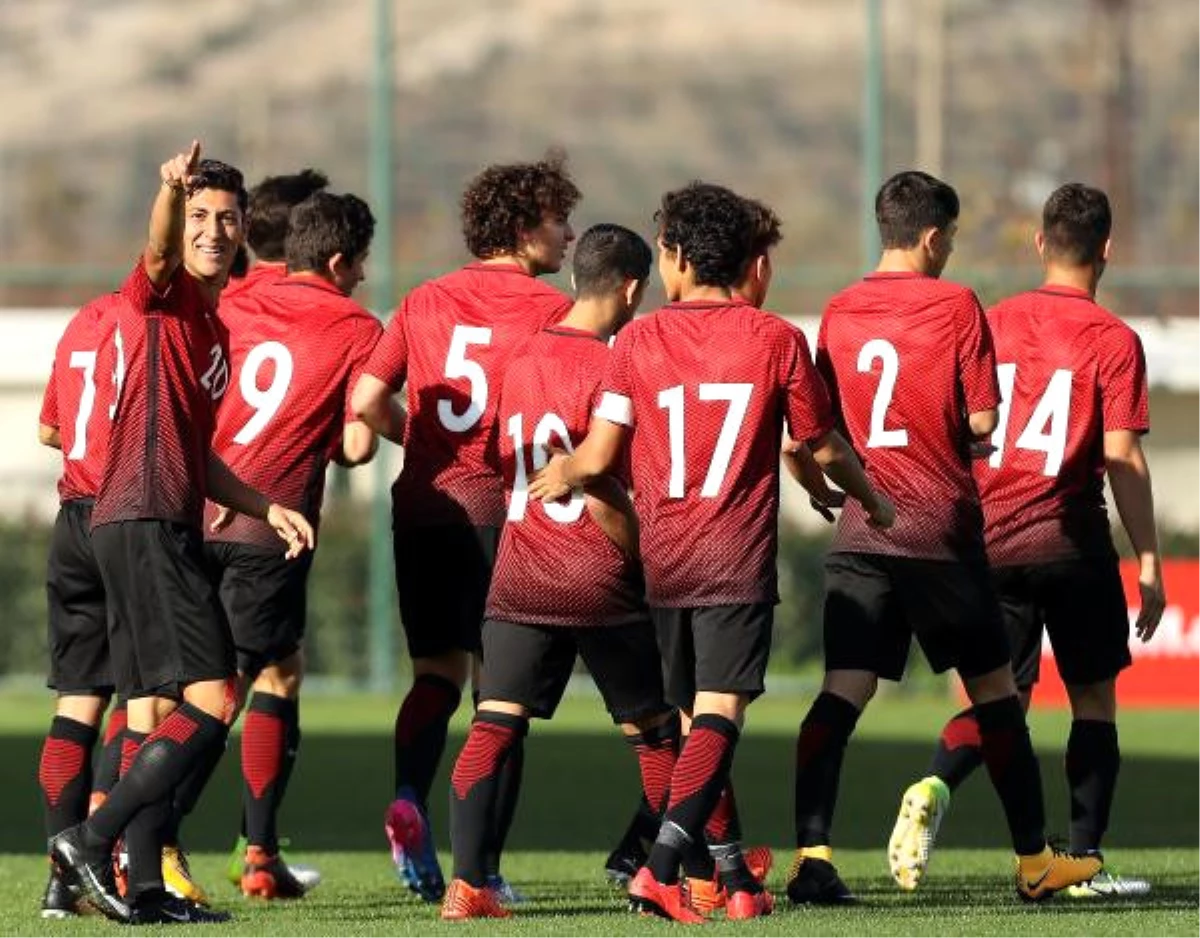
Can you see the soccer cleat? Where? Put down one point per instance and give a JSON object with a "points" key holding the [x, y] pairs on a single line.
{"points": [[922, 808], [413, 850], [650, 897], [759, 861], [503, 890], [463, 901], [306, 876], [177, 876], [57, 901], [1040, 875], [88, 878], [268, 877], [237, 861], [706, 896], [813, 880], [159, 907], [623, 863], [744, 905], [1108, 885]]}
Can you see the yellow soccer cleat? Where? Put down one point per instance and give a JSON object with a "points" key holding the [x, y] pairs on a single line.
{"points": [[922, 809], [177, 876], [1040, 875]]}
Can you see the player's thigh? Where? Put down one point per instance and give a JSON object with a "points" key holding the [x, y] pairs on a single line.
{"points": [[528, 665], [1086, 617], [864, 626], [624, 663], [442, 578], [677, 654], [954, 612], [733, 645], [265, 597], [77, 630], [1023, 620]]}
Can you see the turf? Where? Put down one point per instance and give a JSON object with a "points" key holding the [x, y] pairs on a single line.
{"points": [[581, 788]]}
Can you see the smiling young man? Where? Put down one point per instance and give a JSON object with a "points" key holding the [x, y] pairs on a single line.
{"points": [[172, 652], [448, 343]]}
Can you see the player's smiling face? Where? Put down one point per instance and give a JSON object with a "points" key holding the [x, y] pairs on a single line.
{"points": [[545, 247], [212, 234]]}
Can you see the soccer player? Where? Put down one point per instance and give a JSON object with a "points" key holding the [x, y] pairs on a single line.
{"points": [[74, 419], [449, 343], [297, 344], [702, 389], [167, 632], [908, 359], [563, 587], [1074, 406]]}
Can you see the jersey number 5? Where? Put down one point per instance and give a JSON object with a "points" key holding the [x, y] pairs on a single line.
{"points": [[459, 366], [550, 424], [1046, 430]]}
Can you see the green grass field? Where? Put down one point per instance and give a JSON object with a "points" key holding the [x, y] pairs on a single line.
{"points": [[581, 786]]}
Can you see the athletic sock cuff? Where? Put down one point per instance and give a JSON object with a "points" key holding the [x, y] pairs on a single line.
{"points": [[435, 682], [518, 725], [836, 712], [263, 702], [73, 730], [655, 736], [717, 724], [995, 715]]}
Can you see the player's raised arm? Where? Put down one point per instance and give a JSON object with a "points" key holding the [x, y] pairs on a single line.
{"points": [[1129, 476], [164, 245]]}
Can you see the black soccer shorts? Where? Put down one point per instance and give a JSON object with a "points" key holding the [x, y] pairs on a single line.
{"points": [[77, 630], [723, 649]]}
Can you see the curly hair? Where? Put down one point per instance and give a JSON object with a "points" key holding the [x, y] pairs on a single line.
{"points": [[912, 202], [504, 200], [712, 227], [213, 174], [270, 203], [1076, 223], [324, 225], [766, 225]]}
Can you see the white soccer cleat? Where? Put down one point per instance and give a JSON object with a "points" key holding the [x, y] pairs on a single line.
{"points": [[1106, 885], [921, 811]]}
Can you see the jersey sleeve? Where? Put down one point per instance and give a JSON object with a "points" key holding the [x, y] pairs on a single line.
{"points": [[616, 387], [144, 297], [49, 414], [1123, 392], [389, 359], [809, 414], [976, 358], [366, 337]]}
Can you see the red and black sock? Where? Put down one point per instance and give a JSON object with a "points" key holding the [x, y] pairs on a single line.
{"points": [[474, 788], [820, 751], [1093, 763], [108, 766], [187, 793], [959, 750], [657, 750], [162, 762], [420, 733], [131, 742], [265, 734], [65, 773], [144, 839], [508, 793], [723, 833], [696, 784], [1013, 768]]}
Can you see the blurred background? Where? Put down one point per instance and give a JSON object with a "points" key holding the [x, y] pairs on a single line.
{"points": [[807, 104]]}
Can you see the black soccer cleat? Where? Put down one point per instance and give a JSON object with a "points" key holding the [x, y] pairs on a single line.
{"points": [[623, 863], [89, 878], [813, 881], [159, 907], [57, 901]]}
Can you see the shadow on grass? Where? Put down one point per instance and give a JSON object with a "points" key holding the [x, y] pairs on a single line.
{"points": [[580, 790]]}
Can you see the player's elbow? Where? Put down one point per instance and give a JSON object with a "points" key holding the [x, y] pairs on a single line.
{"points": [[983, 422], [359, 445], [48, 436]]}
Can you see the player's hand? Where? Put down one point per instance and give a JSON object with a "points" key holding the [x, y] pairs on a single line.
{"points": [[550, 484], [223, 519], [981, 448], [882, 514], [178, 172], [833, 498], [1154, 600], [292, 527]]}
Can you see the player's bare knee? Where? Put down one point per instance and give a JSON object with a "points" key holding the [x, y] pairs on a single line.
{"points": [[856, 687], [992, 686], [1094, 701], [452, 666], [219, 699], [82, 708], [281, 679]]}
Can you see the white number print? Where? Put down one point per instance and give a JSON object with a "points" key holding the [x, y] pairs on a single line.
{"points": [[549, 425], [1046, 431], [265, 401], [672, 401], [118, 376], [458, 365], [216, 379], [886, 353], [86, 361]]}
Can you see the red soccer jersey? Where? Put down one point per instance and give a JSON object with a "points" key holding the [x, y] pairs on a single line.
{"points": [[554, 565], [450, 339], [706, 387], [906, 358], [1069, 371], [297, 345], [259, 275], [77, 399], [167, 355]]}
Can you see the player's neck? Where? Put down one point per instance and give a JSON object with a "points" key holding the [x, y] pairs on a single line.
{"points": [[1074, 278], [901, 261], [591, 315], [699, 292], [511, 260]]}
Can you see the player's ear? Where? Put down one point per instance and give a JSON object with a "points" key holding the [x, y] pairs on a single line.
{"points": [[1107, 248], [1039, 242], [931, 240], [336, 267]]}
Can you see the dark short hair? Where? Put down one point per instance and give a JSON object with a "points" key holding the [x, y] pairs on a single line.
{"points": [[912, 202], [271, 201], [504, 200], [325, 224], [1076, 223], [606, 256], [711, 226], [213, 174], [765, 225]]}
